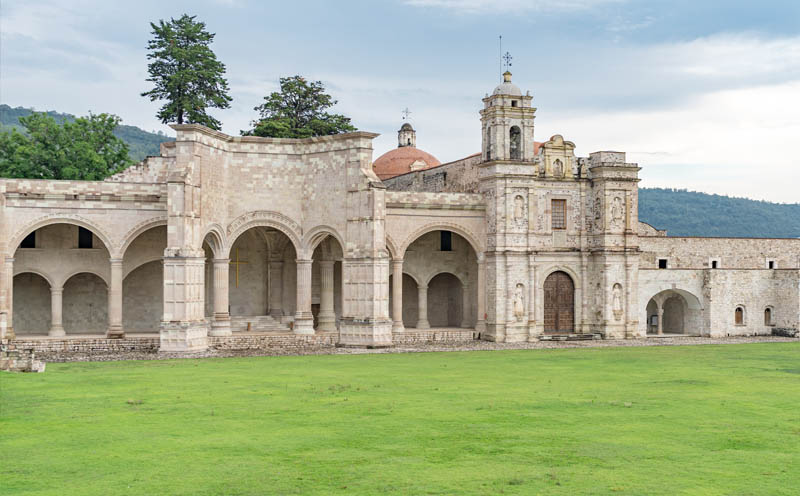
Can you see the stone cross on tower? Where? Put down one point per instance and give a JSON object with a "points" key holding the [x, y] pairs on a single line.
{"points": [[507, 59], [406, 113]]}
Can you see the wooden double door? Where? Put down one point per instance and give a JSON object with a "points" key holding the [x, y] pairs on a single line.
{"points": [[559, 303]]}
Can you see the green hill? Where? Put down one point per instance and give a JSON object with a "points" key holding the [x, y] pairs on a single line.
{"points": [[140, 143], [689, 213]]}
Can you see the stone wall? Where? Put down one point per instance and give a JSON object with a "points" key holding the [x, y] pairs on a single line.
{"points": [[31, 304], [459, 176], [143, 298], [731, 253]]}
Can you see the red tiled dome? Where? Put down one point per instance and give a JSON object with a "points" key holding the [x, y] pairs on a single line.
{"points": [[399, 161]]}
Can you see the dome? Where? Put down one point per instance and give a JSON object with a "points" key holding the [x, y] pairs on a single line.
{"points": [[403, 160], [507, 87], [406, 127]]}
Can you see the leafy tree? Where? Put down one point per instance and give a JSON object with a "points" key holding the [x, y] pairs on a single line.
{"points": [[186, 72], [84, 149], [298, 110]]}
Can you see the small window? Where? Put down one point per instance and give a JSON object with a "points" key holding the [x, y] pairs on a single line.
{"points": [[770, 264], [29, 241], [714, 264], [446, 241], [662, 263], [84, 238], [739, 316], [513, 103], [559, 214], [409, 142], [768, 316]]}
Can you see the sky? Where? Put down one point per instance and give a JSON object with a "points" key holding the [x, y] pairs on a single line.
{"points": [[703, 95]]}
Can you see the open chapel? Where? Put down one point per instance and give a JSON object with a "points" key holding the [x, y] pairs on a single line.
{"points": [[226, 242]]}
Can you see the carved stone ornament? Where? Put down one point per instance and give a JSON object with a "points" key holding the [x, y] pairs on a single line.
{"points": [[616, 305]]}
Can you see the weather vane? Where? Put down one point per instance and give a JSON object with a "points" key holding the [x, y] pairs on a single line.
{"points": [[406, 113], [507, 57]]}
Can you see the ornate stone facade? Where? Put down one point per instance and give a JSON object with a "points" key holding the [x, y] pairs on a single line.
{"points": [[224, 238]]}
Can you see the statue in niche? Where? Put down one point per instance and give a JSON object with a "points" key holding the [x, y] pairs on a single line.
{"points": [[616, 305], [519, 210], [617, 212], [519, 303], [558, 168]]}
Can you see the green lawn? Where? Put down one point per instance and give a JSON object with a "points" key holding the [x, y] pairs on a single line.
{"points": [[721, 419]]}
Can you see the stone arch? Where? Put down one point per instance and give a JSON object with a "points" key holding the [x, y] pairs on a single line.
{"points": [[740, 315], [561, 268], [273, 220], [445, 295], [76, 220], [515, 143], [138, 229], [434, 274], [317, 235], [39, 273], [412, 276], [85, 306], [681, 312], [31, 307], [76, 272], [465, 233], [391, 246], [769, 315], [214, 235], [139, 263]]}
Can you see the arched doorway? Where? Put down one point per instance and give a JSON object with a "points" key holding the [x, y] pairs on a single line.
{"points": [[77, 263], [673, 312], [326, 284], [559, 303], [85, 304], [31, 311], [439, 283], [445, 301], [143, 298]]}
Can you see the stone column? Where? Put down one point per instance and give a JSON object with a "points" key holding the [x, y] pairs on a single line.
{"points": [[464, 305], [115, 330], [303, 319], [422, 319], [480, 324], [8, 273], [397, 296], [660, 319], [56, 325], [532, 332], [327, 316], [221, 326], [276, 289]]}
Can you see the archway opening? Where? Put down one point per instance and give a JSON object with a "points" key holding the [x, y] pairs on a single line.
{"points": [[143, 298], [326, 284], [445, 267], [445, 301], [143, 281], [262, 281], [85, 304], [31, 305], [673, 312], [559, 303], [68, 255]]}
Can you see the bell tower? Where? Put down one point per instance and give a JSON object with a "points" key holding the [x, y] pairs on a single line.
{"points": [[406, 136], [507, 124]]}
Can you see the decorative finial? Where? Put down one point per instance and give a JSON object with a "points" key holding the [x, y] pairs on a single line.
{"points": [[406, 113], [507, 58]]}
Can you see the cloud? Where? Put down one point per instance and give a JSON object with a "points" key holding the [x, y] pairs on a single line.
{"points": [[498, 6]]}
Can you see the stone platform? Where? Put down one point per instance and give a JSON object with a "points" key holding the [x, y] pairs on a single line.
{"points": [[287, 342]]}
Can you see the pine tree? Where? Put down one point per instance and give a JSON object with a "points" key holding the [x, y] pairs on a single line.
{"points": [[186, 72], [298, 111]]}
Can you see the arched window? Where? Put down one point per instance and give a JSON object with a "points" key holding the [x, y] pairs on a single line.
{"points": [[515, 143], [488, 144], [739, 316], [768, 316]]}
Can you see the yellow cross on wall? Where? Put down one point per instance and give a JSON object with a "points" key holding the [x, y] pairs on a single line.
{"points": [[237, 263]]}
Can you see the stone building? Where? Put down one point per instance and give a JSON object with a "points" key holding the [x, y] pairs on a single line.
{"points": [[235, 241]]}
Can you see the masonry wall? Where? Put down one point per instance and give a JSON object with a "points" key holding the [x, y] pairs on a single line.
{"points": [[31, 304], [733, 253], [85, 303], [460, 176]]}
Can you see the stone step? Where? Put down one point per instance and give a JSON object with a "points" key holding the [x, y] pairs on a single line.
{"points": [[570, 337]]}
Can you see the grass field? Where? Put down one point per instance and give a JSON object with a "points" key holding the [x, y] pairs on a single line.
{"points": [[721, 419]]}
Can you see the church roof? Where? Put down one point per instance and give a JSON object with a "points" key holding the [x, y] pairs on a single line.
{"points": [[507, 87], [400, 161]]}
